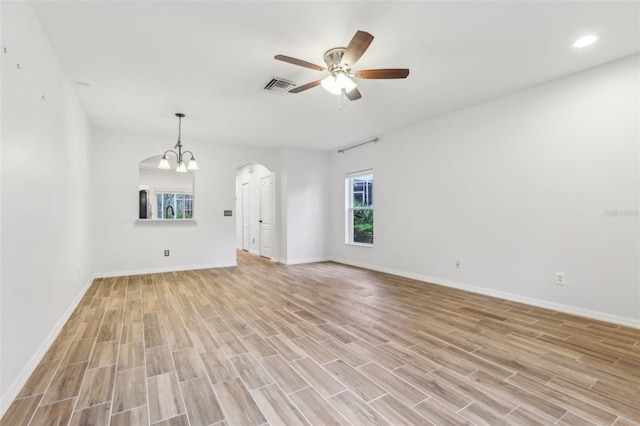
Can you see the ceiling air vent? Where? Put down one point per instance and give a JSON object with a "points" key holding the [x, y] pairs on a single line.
{"points": [[279, 85]]}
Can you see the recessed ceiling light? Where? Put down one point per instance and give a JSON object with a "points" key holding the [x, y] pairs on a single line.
{"points": [[585, 41]]}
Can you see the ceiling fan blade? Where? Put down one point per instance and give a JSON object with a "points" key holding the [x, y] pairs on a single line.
{"points": [[382, 73], [299, 62], [305, 87], [354, 95], [357, 46]]}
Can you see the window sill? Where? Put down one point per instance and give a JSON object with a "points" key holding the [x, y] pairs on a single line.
{"points": [[359, 245], [165, 220]]}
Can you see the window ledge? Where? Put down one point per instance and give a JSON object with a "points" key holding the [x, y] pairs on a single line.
{"points": [[359, 245], [165, 220]]}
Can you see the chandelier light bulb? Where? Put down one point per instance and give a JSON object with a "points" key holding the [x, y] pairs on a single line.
{"points": [[164, 163]]}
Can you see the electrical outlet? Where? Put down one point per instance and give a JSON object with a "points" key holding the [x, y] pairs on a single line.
{"points": [[458, 264], [560, 278], [166, 252]]}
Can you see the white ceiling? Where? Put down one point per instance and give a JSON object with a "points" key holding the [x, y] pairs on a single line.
{"points": [[146, 60]]}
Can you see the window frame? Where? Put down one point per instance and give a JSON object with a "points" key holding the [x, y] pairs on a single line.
{"points": [[185, 201], [350, 209]]}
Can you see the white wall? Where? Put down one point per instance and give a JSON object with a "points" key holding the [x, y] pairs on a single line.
{"points": [[516, 189], [124, 245], [305, 202], [45, 184]]}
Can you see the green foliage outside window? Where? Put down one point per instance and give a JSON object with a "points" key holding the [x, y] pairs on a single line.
{"points": [[362, 224]]}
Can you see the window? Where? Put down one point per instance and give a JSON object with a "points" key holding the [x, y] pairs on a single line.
{"points": [[174, 205], [359, 208]]}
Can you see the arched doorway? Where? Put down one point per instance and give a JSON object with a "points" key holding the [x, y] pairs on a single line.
{"points": [[256, 218]]}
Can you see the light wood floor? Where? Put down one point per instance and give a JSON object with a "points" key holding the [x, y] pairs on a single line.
{"points": [[324, 344]]}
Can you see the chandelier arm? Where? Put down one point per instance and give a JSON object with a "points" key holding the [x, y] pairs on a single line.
{"points": [[168, 151], [190, 153]]}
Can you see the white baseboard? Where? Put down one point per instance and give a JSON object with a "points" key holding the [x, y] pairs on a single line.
{"points": [[575, 310], [301, 261], [16, 386], [162, 269]]}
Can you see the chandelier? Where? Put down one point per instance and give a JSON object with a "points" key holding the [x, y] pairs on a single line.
{"points": [[164, 161]]}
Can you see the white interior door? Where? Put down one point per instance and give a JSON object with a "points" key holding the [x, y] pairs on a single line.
{"points": [[266, 191], [245, 217]]}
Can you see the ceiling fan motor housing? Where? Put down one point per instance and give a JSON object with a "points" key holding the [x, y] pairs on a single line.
{"points": [[333, 57]]}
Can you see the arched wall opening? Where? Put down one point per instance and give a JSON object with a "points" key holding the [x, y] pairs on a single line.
{"points": [[162, 190], [256, 217]]}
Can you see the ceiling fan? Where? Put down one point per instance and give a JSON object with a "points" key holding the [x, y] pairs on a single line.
{"points": [[339, 61]]}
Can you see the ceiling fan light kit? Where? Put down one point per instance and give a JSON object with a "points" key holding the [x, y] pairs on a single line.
{"points": [[338, 82], [339, 61]]}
